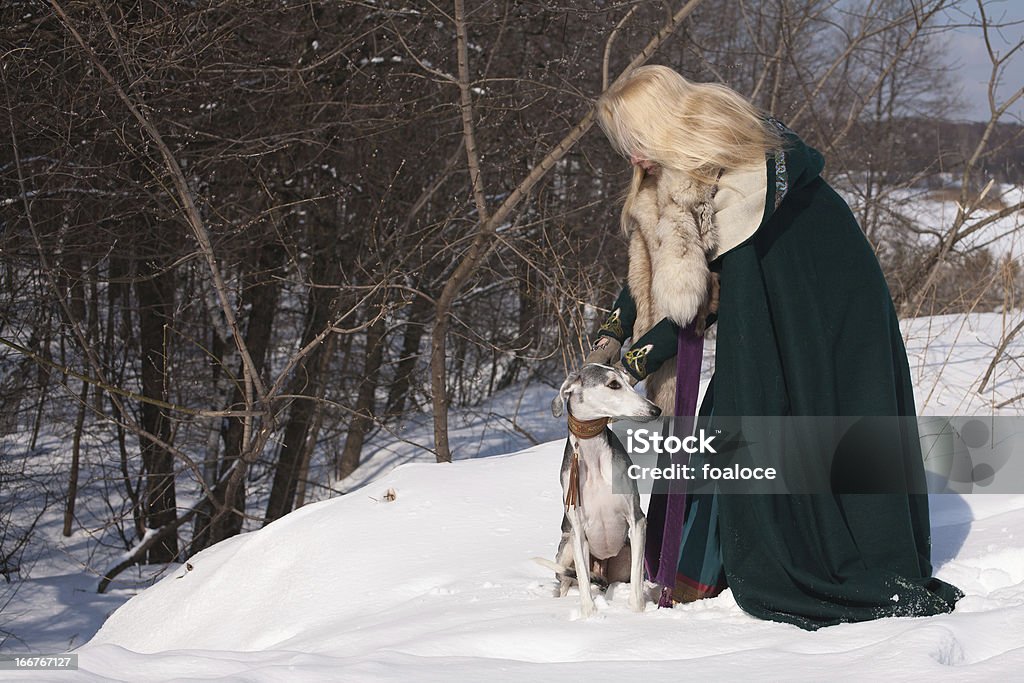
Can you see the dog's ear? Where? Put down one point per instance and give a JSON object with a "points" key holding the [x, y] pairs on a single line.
{"points": [[556, 405], [567, 386]]}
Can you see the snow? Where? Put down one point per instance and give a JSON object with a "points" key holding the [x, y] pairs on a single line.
{"points": [[949, 355], [505, 423], [937, 211], [438, 584]]}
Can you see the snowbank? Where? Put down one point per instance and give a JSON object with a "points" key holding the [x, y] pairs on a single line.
{"points": [[438, 584]]}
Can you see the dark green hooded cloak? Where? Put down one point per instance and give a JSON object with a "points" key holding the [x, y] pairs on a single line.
{"points": [[806, 326]]}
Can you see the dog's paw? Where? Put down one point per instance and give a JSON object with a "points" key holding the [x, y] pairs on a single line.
{"points": [[585, 612]]}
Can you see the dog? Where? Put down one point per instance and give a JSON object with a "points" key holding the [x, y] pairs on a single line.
{"points": [[603, 533]]}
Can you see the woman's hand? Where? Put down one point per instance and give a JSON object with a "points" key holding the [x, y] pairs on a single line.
{"points": [[605, 351]]}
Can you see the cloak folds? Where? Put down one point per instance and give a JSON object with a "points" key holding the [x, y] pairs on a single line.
{"points": [[806, 326]]}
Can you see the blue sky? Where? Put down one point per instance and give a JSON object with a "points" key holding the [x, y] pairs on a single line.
{"points": [[967, 52]]}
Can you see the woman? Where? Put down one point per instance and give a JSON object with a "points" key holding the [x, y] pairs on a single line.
{"points": [[806, 326]]}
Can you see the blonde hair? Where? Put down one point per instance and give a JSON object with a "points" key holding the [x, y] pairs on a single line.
{"points": [[695, 128]]}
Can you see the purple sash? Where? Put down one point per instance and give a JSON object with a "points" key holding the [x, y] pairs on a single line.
{"points": [[667, 513]]}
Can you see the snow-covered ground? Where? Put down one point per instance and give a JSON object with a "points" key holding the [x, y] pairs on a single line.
{"points": [[1002, 237], [935, 210], [439, 583]]}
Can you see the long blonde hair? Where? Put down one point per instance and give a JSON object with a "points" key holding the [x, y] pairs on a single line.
{"points": [[695, 128]]}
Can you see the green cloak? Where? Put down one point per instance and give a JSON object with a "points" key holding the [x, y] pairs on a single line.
{"points": [[806, 326]]}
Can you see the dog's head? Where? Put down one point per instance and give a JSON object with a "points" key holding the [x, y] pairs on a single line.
{"points": [[596, 391]]}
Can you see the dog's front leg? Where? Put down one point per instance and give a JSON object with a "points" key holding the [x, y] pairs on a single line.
{"points": [[581, 561], [637, 539], [564, 558]]}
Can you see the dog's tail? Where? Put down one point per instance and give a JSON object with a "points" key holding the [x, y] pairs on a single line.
{"points": [[559, 570]]}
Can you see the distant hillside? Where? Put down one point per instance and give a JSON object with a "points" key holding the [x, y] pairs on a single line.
{"points": [[905, 148]]}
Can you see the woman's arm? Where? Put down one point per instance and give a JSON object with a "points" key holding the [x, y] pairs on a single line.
{"points": [[615, 330], [619, 324], [653, 348]]}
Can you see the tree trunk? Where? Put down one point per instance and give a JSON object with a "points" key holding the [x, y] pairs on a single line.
{"points": [[156, 308], [414, 327], [119, 336], [314, 432], [76, 451], [362, 419], [73, 266], [260, 298], [296, 433], [527, 333]]}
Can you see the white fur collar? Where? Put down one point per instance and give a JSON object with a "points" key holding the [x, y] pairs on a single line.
{"points": [[673, 234]]}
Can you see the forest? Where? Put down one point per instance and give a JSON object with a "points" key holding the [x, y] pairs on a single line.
{"points": [[238, 240]]}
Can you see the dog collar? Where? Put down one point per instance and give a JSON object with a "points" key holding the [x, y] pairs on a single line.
{"points": [[587, 429]]}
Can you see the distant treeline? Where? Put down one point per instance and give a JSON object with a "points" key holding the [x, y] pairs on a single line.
{"points": [[932, 152]]}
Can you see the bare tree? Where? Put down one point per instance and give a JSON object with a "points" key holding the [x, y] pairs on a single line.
{"points": [[967, 220]]}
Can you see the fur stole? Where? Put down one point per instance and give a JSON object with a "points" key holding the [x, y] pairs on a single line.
{"points": [[673, 233]]}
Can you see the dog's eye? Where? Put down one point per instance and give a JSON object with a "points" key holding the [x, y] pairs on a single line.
{"points": [[614, 384]]}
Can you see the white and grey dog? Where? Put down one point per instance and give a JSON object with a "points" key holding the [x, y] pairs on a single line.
{"points": [[603, 532]]}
